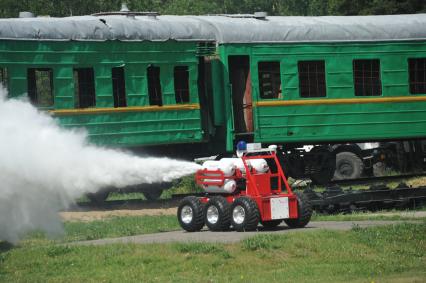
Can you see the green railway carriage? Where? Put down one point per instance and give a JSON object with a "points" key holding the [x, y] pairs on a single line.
{"points": [[205, 82], [104, 87]]}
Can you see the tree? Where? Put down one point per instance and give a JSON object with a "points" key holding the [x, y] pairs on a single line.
{"points": [[61, 8], [294, 8], [317, 8], [188, 7], [375, 7]]}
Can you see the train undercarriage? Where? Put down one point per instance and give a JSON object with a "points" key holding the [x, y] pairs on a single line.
{"points": [[323, 163]]}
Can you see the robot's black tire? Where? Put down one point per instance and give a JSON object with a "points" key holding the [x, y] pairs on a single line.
{"points": [[190, 214], [244, 214], [221, 209], [304, 211]]}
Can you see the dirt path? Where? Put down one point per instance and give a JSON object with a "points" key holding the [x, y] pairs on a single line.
{"points": [[232, 236], [110, 209], [103, 214]]}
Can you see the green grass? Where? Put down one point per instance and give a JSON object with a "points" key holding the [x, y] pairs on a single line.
{"points": [[202, 248], [186, 185], [119, 226], [262, 242], [112, 227], [380, 254], [361, 216]]}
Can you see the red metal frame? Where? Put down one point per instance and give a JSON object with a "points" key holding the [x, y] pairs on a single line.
{"points": [[258, 185], [252, 175], [210, 177]]}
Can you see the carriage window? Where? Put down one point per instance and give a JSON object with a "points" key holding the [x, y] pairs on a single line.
{"points": [[154, 86], [118, 87], [4, 77], [367, 77], [181, 80], [84, 88], [269, 79], [312, 78], [417, 73], [40, 86]]}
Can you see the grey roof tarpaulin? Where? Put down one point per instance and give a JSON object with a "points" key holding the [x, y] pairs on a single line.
{"points": [[220, 28]]}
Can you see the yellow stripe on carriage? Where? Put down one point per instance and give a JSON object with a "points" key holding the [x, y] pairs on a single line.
{"points": [[342, 101], [151, 108]]}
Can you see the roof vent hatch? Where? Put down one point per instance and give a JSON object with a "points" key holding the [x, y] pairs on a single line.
{"points": [[260, 15], [124, 8]]}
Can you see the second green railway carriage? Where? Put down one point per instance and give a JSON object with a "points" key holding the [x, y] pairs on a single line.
{"points": [[196, 85]]}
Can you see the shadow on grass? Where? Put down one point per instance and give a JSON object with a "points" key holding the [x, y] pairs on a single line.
{"points": [[283, 228], [258, 229]]}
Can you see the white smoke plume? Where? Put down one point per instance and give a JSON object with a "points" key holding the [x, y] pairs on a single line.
{"points": [[44, 168]]}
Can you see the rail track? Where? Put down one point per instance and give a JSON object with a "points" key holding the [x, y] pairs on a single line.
{"points": [[334, 198]]}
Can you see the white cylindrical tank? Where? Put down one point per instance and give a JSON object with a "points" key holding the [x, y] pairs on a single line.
{"points": [[228, 168], [228, 188], [228, 165], [260, 165], [237, 162]]}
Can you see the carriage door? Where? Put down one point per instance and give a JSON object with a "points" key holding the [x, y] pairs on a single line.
{"points": [[239, 77]]}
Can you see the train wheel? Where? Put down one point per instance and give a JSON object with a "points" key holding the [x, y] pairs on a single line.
{"points": [[245, 214], [191, 214], [348, 166], [217, 214], [304, 211], [271, 223]]}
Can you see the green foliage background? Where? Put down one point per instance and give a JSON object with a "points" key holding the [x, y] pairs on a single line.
{"points": [[60, 8]]}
